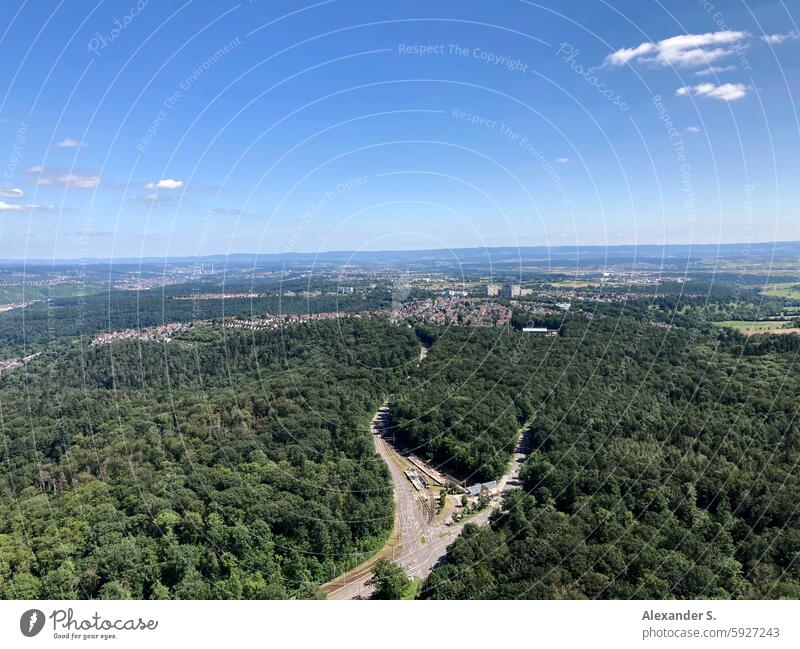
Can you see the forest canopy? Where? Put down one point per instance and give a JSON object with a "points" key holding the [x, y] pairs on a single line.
{"points": [[239, 468], [663, 465]]}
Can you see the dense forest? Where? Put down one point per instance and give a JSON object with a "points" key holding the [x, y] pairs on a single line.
{"points": [[45, 322], [664, 465], [233, 468], [466, 402], [227, 464]]}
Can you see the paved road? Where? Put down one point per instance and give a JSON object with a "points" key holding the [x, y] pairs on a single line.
{"points": [[420, 563], [416, 556], [421, 544], [410, 516]]}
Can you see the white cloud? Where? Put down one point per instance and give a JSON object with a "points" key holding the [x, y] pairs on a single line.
{"points": [[684, 50], [8, 207], [623, 56], [724, 92], [80, 182], [226, 211], [69, 143], [780, 39], [11, 192], [166, 183], [562, 161], [66, 177], [692, 129], [11, 207], [152, 199], [715, 69]]}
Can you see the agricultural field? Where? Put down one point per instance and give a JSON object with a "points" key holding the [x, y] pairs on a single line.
{"points": [[790, 290], [753, 328]]}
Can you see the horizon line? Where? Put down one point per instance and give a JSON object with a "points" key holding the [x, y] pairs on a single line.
{"points": [[397, 250]]}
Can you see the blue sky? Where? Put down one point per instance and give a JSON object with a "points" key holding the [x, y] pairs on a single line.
{"points": [[150, 128]]}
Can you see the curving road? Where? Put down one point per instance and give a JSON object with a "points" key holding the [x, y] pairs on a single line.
{"points": [[419, 543]]}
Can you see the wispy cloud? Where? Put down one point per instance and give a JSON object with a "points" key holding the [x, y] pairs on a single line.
{"points": [[226, 211], [562, 161], [81, 182], [11, 192], [154, 200], [70, 143], [165, 183], [693, 129], [780, 39], [14, 207], [61, 177], [714, 69], [684, 50], [723, 92]]}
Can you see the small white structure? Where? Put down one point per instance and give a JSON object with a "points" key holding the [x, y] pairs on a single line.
{"points": [[540, 330]]}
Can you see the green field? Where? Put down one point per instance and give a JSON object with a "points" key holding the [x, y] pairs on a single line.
{"points": [[749, 324], [749, 327], [790, 290]]}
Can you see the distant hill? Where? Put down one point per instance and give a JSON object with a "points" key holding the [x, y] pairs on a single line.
{"points": [[470, 258]]}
